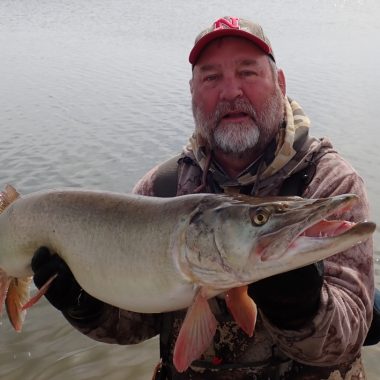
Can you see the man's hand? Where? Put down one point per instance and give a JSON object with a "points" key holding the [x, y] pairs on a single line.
{"points": [[64, 293], [291, 299]]}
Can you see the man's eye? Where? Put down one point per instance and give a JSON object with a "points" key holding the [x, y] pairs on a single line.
{"points": [[247, 73], [210, 78]]}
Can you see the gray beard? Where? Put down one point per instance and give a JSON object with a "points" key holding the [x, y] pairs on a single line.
{"points": [[237, 138]]}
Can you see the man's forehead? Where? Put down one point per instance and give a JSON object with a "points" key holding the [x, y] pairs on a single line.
{"points": [[240, 46], [238, 62]]}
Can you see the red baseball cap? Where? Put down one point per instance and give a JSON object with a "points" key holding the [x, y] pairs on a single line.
{"points": [[235, 27]]}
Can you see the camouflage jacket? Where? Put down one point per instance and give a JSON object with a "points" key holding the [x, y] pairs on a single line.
{"points": [[327, 347]]}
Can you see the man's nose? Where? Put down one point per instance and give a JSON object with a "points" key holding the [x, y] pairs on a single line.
{"points": [[231, 89]]}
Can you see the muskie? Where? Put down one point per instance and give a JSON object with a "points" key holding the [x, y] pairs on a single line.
{"points": [[153, 255]]}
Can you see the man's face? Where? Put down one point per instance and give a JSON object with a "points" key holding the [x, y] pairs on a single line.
{"points": [[237, 101]]}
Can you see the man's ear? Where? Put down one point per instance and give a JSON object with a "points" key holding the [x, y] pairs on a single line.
{"points": [[191, 85], [281, 81]]}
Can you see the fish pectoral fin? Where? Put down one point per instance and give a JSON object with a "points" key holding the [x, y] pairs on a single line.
{"points": [[196, 334], [17, 295], [242, 308], [40, 293]]}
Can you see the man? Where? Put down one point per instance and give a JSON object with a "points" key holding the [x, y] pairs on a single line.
{"points": [[249, 138]]}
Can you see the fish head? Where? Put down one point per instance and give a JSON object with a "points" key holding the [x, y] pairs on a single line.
{"points": [[244, 239]]}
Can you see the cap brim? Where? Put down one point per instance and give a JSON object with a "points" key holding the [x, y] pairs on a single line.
{"points": [[202, 42]]}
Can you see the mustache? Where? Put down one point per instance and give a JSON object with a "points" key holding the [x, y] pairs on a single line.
{"points": [[238, 105]]}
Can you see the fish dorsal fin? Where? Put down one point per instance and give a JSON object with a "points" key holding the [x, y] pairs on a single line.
{"points": [[8, 196], [242, 308], [196, 333], [12, 193], [17, 296]]}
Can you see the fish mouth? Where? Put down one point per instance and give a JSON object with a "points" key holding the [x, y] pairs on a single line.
{"points": [[327, 228], [325, 233], [306, 231]]}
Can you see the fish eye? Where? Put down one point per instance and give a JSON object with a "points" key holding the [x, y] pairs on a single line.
{"points": [[260, 216]]}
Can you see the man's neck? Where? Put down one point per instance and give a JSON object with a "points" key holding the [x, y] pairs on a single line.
{"points": [[233, 165]]}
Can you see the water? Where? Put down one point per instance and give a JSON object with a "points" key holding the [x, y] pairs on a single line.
{"points": [[94, 93]]}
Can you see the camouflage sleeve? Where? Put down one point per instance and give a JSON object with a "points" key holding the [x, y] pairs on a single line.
{"points": [[337, 332], [145, 185], [119, 326]]}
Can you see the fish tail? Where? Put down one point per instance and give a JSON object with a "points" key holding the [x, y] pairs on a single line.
{"points": [[14, 293], [18, 294]]}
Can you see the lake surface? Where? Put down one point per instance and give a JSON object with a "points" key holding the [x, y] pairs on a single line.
{"points": [[94, 93]]}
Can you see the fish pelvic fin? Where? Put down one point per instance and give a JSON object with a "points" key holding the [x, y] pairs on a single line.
{"points": [[196, 333], [7, 196], [243, 308], [16, 294]]}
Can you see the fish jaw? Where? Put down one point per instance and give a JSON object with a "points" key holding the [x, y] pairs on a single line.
{"points": [[309, 237], [241, 242], [282, 229], [354, 233], [306, 250]]}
